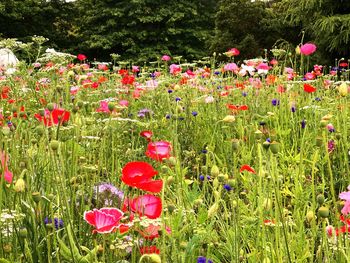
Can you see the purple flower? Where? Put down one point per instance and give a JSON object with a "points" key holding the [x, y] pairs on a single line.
{"points": [[144, 113], [57, 222], [168, 116], [194, 113], [106, 194], [170, 91], [204, 151], [268, 140], [331, 146], [244, 94], [177, 99], [303, 124], [293, 109], [201, 177], [275, 102], [227, 187], [203, 260]]}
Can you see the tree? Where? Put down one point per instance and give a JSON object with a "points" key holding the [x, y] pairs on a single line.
{"points": [[326, 22], [145, 29]]}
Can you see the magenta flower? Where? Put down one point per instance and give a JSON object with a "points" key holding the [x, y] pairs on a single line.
{"points": [[345, 196], [175, 69], [308, 49], [231, 67], [166, 58]]}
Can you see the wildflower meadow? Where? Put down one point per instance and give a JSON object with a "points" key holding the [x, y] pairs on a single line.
{"points": [[213, 160]]}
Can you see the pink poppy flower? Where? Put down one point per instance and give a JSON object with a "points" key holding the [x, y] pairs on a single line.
{"points": [[159, 150], [147, 205], [124, 103], [233, 52], [4, 158], [345, 196], [166, 58], [81, 57], [105, 220], [231, 67], [175, 69], [308, 49]]}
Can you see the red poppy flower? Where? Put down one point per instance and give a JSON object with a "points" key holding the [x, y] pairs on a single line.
{"points": [[158, 150], [147, 205], [128, 80], [308, 88], [123, 72], [60, 116], [149, 250], [237, 107], [55, 117], [139, 175], [152, 231], [81, 57], [247, 168], [280, 89], [105, 220], [343, 64], [146, 134]]}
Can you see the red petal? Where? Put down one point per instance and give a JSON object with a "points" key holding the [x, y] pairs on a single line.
{"points": [[134, 173], [154, 186], [308, 88], [247, 168]]}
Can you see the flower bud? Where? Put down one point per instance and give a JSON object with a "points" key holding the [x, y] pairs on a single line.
{"points": [[50, 106], [258, 134], [319, 141], [310, 216], [170, 180], [320, 199], [214, 172], [36, 197], [343, 89], [323, 212], [54, 145], [274, 147], [235, 144], [229, 119], [171, 208], [20, 186]]}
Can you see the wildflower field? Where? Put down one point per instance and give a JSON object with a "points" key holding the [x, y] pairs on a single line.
{"points": [[231, 161]]}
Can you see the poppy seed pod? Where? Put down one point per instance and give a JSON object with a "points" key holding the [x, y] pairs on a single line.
{"points": [[275, 147]]}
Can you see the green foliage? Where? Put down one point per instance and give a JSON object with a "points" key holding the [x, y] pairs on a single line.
{"points": [[143, 29]]}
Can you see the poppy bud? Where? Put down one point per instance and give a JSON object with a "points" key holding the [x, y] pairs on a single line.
{"points": [[6, 130], [172, 160], [232, 182], [111, 106], [20, 186], [170, 180], [229, 119], [275, 147], [266, 145], [323, 123], [54, 145], [310, 216], [50, 106], [343, 89], [320, 199], [323, 212], [221, 178], [36, 197], [258, 134], [338, 135], [235, 144], [214, 172], [23, 232], [171, 208]]}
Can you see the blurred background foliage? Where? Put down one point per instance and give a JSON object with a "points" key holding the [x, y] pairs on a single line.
{"points": [[143, 30]]}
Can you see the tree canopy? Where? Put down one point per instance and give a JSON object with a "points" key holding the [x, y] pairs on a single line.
{"points": [[142, 30]]}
